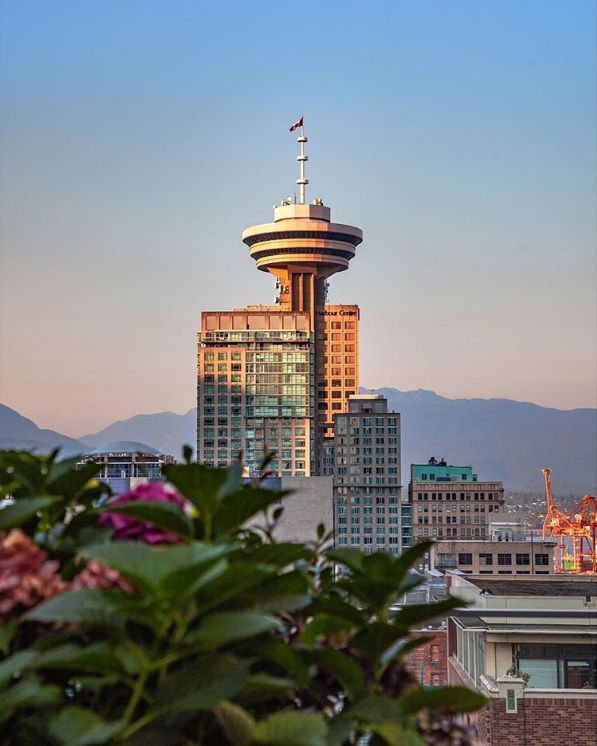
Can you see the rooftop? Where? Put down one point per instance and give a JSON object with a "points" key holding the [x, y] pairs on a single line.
{"points": [[571, 585], [125, 446]]}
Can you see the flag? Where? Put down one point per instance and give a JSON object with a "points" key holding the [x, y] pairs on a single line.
{"points": [[296, 125]]}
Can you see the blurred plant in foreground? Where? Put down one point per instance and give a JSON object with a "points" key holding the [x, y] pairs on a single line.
{"points": [[171, 615]]}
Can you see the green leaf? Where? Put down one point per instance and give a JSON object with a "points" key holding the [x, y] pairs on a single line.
{"points": [[236, 723], [96, 657], [201, 684], [414, 614], [16, 663], [375, 708], [22, 510], [323, 626], [74, 726], [398, 735], [282, 554], [165, 515], [341, 728], [260, 688], [284, 657], [7, 632], [338, 607], [291, 728], [233, 480], [156, 734], [444, 699], [375, 639], [403, 649], [68, 481], [287, 592], [26, 471], [131, 657], [29, 692], [236, 509], [345, 669], [351, 558], [149, 566], [187, 581], [223, 628], [136, 561], [198, 483], [93, 606], [231, 583]]}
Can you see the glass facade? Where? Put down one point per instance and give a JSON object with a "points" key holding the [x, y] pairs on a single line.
{"points": [[255, 393]]}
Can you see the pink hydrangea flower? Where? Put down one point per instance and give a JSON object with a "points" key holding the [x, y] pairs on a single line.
{"points": [[129, 528], [27, 576]]}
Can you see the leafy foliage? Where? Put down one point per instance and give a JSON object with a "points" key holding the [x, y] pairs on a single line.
{"points": [[223, 636]]}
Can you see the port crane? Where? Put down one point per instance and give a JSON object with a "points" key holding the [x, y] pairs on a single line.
{"points": [[574, 535]]}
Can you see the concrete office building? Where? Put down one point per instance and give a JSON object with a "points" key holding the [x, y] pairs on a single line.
{"points": [[507, 550], [449, 502], [365, 460], [270, 378], [490, 557], [308, 504]]}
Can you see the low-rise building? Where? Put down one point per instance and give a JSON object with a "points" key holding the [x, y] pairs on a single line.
{"points": [[490, 557], [126, 463], [529, 645]]}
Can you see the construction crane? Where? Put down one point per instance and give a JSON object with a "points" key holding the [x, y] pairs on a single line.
{"points": [[575, 535]]}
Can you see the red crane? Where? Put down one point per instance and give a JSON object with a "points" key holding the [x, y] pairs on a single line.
{"points": [[574, 535]]}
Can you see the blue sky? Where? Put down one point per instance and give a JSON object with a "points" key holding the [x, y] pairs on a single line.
{"points": [[138, 140]]}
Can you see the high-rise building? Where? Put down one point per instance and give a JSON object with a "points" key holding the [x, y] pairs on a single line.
{"points": [[366, 466], [449, 502], [270, 378]]}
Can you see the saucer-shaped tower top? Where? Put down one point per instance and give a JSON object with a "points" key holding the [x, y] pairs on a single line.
{"points": [[302, 247]]}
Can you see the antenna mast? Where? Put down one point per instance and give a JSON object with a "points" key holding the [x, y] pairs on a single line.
{"points": [[302, 159]]}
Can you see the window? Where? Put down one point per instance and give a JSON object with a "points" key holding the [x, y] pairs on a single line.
{"points": [[504, 559], [557, 665], [522, 559], [465, 558], [542, 559], [485, 558]]}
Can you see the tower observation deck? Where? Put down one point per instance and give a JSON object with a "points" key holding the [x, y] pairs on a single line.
{"points": [[302, 248]]}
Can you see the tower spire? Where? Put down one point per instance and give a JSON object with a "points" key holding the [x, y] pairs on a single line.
{"points": [[302, 158]]}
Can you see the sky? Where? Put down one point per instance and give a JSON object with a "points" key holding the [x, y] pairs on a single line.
{"points": [[138, 138]]}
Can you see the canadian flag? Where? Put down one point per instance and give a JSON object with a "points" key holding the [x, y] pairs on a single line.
{"points": [[296, 125]]}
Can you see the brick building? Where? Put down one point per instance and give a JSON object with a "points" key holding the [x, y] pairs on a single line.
{"points": [[429, 662]]}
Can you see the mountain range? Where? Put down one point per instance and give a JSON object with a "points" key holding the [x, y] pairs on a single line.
{"points": [[505, 440]]}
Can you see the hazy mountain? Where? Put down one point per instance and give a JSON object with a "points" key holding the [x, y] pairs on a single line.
{"points": [[501, 439], [166, 431], [19, 433]]}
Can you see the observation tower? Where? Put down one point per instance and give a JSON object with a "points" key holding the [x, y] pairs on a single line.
{"points": [[302, 247]]}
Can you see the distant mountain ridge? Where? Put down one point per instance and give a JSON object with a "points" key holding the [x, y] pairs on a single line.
{"points": [[22, 434], [501, 439]]}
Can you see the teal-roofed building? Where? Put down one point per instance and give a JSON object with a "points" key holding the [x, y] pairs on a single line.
{"points": [[449, 502], [440, 471]]}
